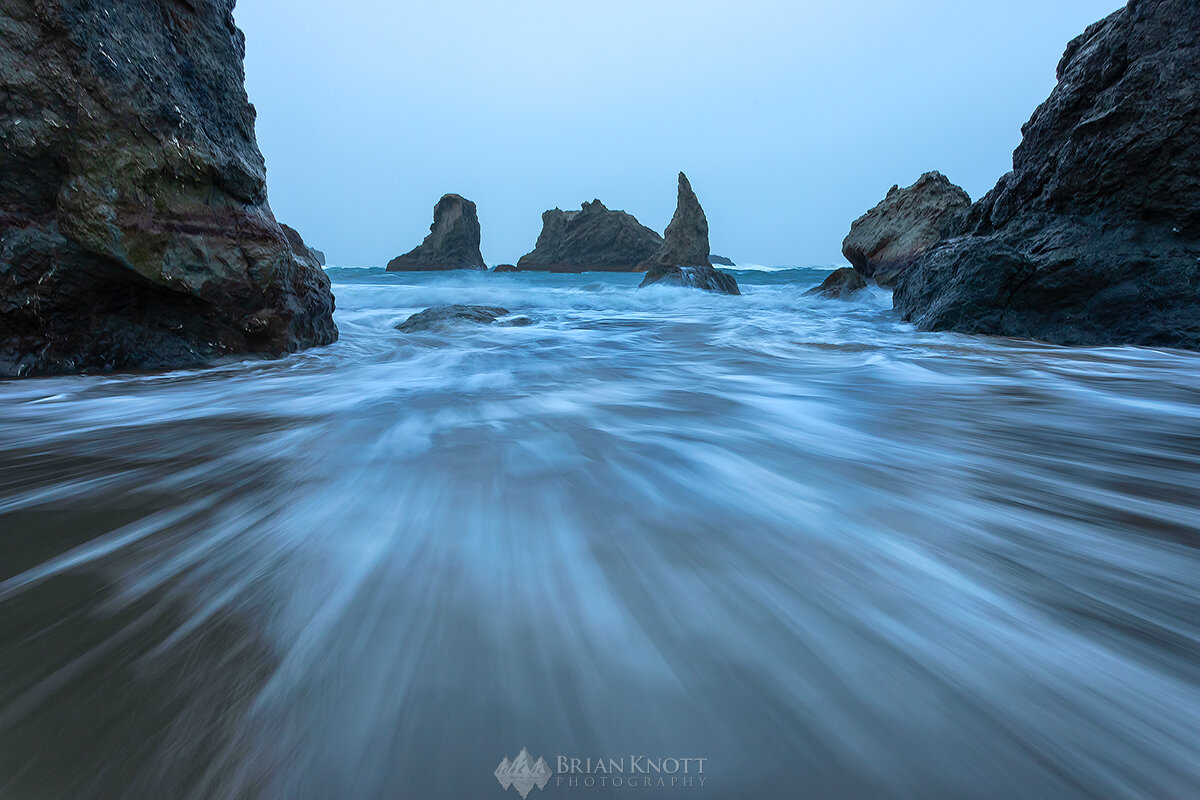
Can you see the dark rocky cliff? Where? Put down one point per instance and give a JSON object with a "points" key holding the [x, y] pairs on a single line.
{"points": [[1094, 237], [134, 225]]}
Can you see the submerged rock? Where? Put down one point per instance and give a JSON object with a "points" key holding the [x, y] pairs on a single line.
{"points": [[135, 231], [841, 284], [593, 239], [1094, 237], [505, 268], [889, 238], [442, 316], [683, 258], [452, 243], [707, 278], [721, 261]]}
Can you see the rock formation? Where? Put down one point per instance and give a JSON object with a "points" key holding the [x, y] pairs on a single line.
{"points": [[134, 226], [683, 258], [505, 268], [686, 241], [1094, 237], [292, 235], [706, 278], [841, 284], [890, 237], [721, 261], [593, 239], [452, 243], [442, 316]]}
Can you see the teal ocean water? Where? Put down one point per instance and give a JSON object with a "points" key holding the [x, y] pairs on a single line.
{"points": [[834, 556]]}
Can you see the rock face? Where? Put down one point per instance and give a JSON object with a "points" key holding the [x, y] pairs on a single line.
{"points": [[452, 243], [1094, 237], [889, 238], [686, 240], [134, 226], [593, 239], [683, 258], [293, 236], [443, 316], [841, 284]]}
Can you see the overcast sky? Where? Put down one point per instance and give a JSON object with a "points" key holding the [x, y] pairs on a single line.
{"points": [[791, 117]]}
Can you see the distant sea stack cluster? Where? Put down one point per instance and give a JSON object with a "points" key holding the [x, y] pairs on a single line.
{"points": [[592, 239], [136, 232], [1094, 237]]}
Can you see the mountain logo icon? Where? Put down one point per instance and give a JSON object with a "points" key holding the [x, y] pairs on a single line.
{"points": [[523, 773]]}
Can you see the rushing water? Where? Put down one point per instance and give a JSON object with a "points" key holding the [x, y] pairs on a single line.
{"points": [[835, 557]]}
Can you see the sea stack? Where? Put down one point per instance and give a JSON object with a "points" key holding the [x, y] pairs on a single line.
{"points": [[593, 239], [453, 240], [890, 237], [135, 231], [683, 258], [1094, 237]]}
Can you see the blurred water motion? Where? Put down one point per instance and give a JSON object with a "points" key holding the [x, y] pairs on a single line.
{"points": [[833, 556]]}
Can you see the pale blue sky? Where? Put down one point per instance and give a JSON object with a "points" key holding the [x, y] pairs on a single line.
{"points": [[791, 117]]}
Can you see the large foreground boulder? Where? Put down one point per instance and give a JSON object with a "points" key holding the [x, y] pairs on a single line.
{"points": [[683, 258], [890, 237], [1094, 237], [593, 239], [452, 243], [134, 226]]}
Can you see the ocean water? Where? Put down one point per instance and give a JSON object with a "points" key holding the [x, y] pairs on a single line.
{"points": [[831, 555]]}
